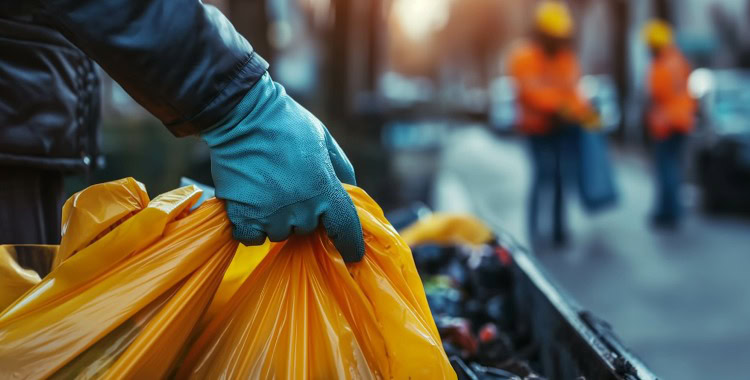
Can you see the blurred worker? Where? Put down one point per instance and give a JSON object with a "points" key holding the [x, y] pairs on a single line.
{"points": [[551, 108], [272, 161], [670, 118]]}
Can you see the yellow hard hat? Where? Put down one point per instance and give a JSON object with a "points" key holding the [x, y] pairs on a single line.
{"points": [[657, 33], [553, 19]]}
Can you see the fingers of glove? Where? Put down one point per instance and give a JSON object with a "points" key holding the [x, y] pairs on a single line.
{"points": [[277, 227], [306, 219], [339, 160], [245, 229], [248, 235], [299, 218], [343, 227]]}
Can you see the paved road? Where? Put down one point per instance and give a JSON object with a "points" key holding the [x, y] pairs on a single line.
{"points": [[680, 300]]}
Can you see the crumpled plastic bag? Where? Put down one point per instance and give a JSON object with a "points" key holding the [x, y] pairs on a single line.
{"points": [[137, 278], [305, 314], [147, 289], [245, 260], [95, 211], [448, 229], [14, 280]]}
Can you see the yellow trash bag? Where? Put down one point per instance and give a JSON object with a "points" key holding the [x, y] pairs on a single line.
{"points": [[14, 280], [131, 281], [245, 260], [96, 210], [305, 314], [444, 228]]}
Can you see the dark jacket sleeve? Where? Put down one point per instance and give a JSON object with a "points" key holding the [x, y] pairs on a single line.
{"points": [[182, 60]]}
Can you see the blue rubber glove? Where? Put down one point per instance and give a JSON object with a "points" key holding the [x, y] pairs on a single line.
{"points": [[280, 172]]}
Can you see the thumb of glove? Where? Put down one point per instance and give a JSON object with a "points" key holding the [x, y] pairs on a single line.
{"points": [[343, 227]]}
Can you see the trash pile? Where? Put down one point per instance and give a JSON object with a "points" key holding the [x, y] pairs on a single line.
{"points": [[468, 283]]}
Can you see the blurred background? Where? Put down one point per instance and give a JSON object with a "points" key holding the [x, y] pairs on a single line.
{"points": [[418, 95]]}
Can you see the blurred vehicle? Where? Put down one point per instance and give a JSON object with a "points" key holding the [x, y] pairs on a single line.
{"points": [[599, 90], [723, 138]]}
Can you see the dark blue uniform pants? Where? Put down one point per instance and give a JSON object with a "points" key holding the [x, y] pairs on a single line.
{"points": [[553, 158], [669, 172]]}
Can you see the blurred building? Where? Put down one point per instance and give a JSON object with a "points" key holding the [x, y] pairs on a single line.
{"points": [[366, 66]]}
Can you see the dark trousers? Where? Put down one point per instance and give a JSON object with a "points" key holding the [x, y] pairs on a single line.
{"points": [[30, 208], [553, 158], [669, 172]]}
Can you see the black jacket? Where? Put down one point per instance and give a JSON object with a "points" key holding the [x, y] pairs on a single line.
{"points": [[49, 98], [180, 59]]}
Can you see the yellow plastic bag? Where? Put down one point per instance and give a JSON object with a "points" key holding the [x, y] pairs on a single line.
{"points": [[144, 289], [14, 280], [124, 301], [96, 210], [245, 260], [443, 228], [304, 314]]}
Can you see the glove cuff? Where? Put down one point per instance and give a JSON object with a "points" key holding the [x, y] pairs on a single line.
{"points": [[262, 92]]}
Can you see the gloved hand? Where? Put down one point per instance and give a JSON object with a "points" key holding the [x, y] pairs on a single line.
{"points": [[280, 172]]}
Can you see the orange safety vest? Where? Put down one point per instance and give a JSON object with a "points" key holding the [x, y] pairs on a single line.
{"points": [[672, 108], [547, 85]]}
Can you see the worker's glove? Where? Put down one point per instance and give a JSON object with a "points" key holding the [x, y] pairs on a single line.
{"points": [[592, 121], [280, 172], [567, 115], [587, 118]]}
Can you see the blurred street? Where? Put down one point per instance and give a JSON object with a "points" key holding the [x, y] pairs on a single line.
{"points": [[433, 102], [678, 299]]}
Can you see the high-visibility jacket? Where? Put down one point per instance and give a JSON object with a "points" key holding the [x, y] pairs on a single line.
{"points": [[672, 108], [547, 87]]}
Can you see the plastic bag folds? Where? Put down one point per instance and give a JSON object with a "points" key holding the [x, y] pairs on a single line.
{"points": [[150, 289], [124, 301], [305, 314]]}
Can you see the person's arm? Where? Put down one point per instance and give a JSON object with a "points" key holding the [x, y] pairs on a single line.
{"points": [[180, 59], [576, 107], [541, 96], [534, 91], [660, 84], [275, 164]]}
